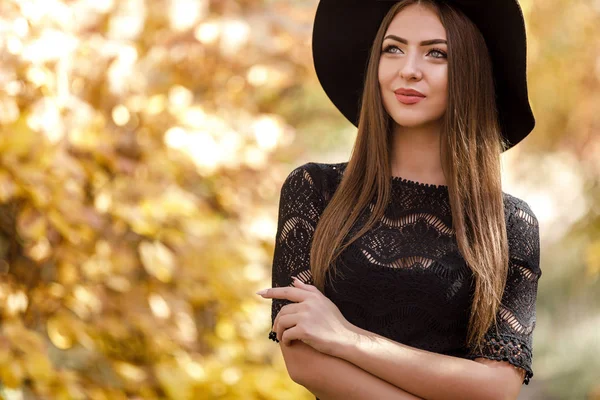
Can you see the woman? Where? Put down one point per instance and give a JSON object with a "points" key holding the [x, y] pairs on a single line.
{"points": [[417, 274]]}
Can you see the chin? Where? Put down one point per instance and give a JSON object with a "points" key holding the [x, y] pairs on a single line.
{"points": [[412, 122]]}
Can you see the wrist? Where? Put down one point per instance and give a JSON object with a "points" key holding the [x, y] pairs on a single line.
{"points": [[350, 341]]}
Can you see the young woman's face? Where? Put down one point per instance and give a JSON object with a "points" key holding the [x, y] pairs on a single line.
{"points": [[411, 65]]}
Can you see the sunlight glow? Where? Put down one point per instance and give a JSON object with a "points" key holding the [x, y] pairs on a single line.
{"points": [[183, 14], [267, 130], [207, 33], [235, 35]]}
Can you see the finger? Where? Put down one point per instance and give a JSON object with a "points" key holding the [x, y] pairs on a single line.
{"points": [[284, 323], [298, 283], [294, 294], [287, 309], [290, 335]]}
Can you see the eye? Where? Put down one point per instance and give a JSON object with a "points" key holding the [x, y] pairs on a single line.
{"points": [[388, 47], [443, 54]]}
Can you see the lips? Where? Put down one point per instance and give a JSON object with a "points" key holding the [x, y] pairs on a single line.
{"points": [[408, 92], [408, 99]]}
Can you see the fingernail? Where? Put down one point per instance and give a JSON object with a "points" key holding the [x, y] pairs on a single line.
{"points": [[262, 292]]}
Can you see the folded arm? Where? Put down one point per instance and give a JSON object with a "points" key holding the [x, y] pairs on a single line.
{"points": [[331, 378], [432, 376], [504, 363]]}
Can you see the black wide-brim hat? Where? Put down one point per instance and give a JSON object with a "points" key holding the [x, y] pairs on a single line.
{"points": [[344, 31]]}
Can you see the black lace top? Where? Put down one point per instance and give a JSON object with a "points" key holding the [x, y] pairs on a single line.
{"points": [[405, 279]]}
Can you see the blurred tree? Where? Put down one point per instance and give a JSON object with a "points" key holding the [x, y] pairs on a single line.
{"points": [[133, 232]]}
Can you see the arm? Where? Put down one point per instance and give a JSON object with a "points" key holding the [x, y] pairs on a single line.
{"points": [[331, 378], [494, 373], [431, 375]]}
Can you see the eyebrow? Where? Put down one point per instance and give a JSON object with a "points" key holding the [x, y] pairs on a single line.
{"points": [[423, 43]]}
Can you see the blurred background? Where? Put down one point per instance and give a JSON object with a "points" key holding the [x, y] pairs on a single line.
{"points": [[143, 144]]}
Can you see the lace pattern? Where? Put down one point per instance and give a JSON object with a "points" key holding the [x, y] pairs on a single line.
{"points": [[405, 279], [300, 207]]}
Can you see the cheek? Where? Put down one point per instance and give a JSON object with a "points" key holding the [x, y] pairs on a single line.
{"points": [[442, 80], [381, 78], [385, 72]]}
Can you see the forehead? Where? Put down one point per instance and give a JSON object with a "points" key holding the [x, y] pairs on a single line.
{"points": [[417, 22]]}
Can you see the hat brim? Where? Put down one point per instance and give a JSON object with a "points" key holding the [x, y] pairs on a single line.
{"points": [[344, 31]]}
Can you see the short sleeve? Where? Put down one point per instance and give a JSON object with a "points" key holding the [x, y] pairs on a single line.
{"points": [[513, 341], [300, 206]]}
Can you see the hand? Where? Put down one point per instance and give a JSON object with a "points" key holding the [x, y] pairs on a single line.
{"points": [[312, 319]]}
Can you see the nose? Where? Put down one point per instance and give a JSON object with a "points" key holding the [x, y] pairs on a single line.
{"points": [[410, 68]]}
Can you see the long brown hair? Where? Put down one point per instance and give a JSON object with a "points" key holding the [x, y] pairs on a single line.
{"points": [[470, 146]]}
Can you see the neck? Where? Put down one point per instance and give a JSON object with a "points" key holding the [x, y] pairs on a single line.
{"points": [[416, 154]]}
